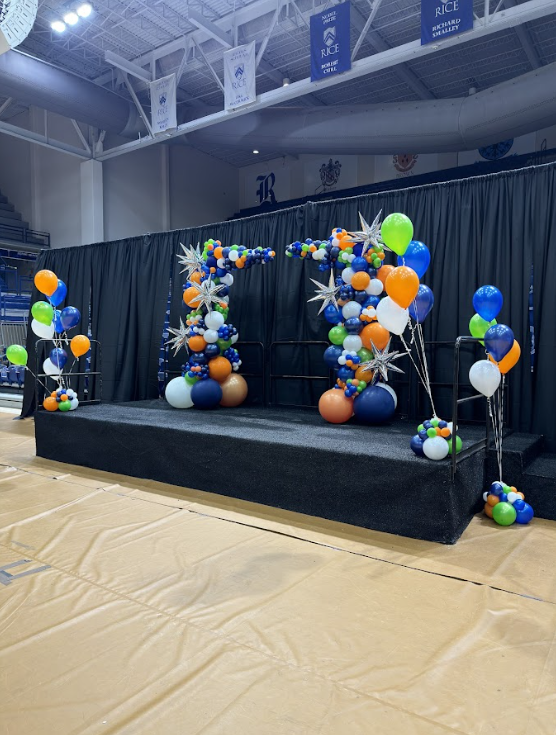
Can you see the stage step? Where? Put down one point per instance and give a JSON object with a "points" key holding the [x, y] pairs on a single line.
{"points": [[539, 485], [520, 450]]}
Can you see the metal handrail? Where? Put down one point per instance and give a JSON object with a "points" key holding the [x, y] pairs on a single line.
{"points": [[272, 376]]}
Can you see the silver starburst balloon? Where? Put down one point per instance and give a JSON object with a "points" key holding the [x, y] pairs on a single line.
{"points": [[192, 260], [207, 294], [369, 235], [326, 294], [180, 338], [382, 362]]}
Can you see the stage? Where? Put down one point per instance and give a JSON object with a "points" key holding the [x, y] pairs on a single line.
{"points": [[286, 458]]}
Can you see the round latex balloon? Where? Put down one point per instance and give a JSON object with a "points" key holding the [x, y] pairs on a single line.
{"points": [[46, 282], [198, 343], [391, 316], [60, 294], [360, 280], [487, 302], [511, 359], [80, 345], [421, 306], [210, 336], [435, 448], [383, 272], [58, 357], [17, 355], [524, 514], [416, 445], [375, 287], [50, 369], [70, 317], [390, 390], [485, 377], [331, 355], [206, 393], [189, 296], [347, 275], [332, 314], [402, 285], [234, 390], [50, 403], [504, 514], [374, 333], [417, 256], [214, 320], [73, 404], [43, 331], [352, 343], [42, 312], [374, 405], [352, 308], [397, 232], [178, 393], [219, 369], [478, 327], [498, 341], [337, 335], [334, 407]]}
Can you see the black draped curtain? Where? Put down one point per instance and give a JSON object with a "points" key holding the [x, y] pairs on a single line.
{"points": [[489, 229]]}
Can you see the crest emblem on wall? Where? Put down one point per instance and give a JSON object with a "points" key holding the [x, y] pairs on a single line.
{"points": [[329, 35], [404, 162], [330, 173]]}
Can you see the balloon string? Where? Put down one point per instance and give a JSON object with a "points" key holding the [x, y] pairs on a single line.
{"points": [[419, 330], [37, 379], [422, 373], [417, 370]]}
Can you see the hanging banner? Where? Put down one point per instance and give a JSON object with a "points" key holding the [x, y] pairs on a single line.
{"points": [[163, 104], [441, 18], [330, 42], [239, 76]]}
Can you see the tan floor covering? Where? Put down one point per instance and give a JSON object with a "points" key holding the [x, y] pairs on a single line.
{"points": [[166, 611]]}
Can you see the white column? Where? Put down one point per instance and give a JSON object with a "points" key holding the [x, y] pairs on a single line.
{"points": [[92, 204]]}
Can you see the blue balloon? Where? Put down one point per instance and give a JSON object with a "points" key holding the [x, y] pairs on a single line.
{"points": [[417, 256], [374, 405], [58, 328], [198, 358], [498, 341], [345, 373], [60, 294], [206, 393], [70, 317], [331, 355], [525, 514], [424, 301], [487, 302], [417, 445], [58, 357], [353, 325], [359, 264], [423, 436], [371, 301], [496, 488], [360, 297], [212, 350], [332, 314]]}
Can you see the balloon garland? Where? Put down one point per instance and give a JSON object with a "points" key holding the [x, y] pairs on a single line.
{"points": [[503, 503], [209, 377], [54, 324]]}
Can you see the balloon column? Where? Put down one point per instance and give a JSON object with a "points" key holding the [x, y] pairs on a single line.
{"points": [[210, 376], [504, 504], [51, 323]]}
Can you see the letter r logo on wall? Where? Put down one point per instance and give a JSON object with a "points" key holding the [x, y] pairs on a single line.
{"points": [[265, 190]]}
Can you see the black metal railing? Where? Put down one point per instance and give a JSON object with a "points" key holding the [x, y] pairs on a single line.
{"points": [[89, 382], [24, 235]]}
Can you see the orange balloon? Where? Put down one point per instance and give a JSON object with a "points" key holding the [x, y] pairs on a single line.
{"points": [[492, 500], [509, 360], [197, 343], [46, 282], [334, 407], [63, 397], [189, 294], [521, 495], [80, 345], [217, 252], [195, 277], [219, 368], [360, 280], [374, 332], [234, 390], [383, 272], [366, 375], [402, 285], [51, 404], [488, 510]]}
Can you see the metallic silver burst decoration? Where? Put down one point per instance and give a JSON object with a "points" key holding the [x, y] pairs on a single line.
{"points": [[192, 260], [369, 235], [180, 338], [326, 294], [207, 294], [382, 362]]}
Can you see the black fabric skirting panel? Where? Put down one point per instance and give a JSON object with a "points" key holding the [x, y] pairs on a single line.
{"points": [[282, 458]]}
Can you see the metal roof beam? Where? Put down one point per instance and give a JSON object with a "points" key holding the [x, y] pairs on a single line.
{"points": [[43, 140], [525, 40], [128, 67], [210, 28]]}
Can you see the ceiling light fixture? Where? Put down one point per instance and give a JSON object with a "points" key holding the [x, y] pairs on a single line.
{"points": [[84, 10], [255, 151], [71, 18], [286, 82], [58, 26]]}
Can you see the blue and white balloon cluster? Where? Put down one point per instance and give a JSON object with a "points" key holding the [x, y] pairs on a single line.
{"points": [[505, 505]]}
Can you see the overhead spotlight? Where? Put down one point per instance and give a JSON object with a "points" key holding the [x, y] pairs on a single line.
{"points": [[71, 18], [286, 82], [58, 26], [84, 10], [255, 151]]}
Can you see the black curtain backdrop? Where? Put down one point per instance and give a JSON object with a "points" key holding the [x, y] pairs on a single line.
{"points": [[488, 229]]}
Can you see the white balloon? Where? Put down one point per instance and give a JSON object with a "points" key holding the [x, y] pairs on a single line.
{"points": [[178, 393], [335, 242], [43, 331], [375, 287], [221, 262], [351, 309], [390, 390], [210, 336], [319, 254], [235, 338], [512, 497], [50, 368], [73, 404], [347, 275], [435, 448], [391, 316], [228, 279], [485, 496], [234, 255], [485, 377], [214, 320], [352, 343]]}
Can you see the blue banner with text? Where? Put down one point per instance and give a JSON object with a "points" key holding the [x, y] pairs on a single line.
{"points": [[330, 42], [442, 18]]}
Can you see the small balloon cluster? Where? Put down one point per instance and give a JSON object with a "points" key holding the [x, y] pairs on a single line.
{"points": [[63, 399], [53, 324], [434, 439], [506, 506], [210, 377], [336, 252]]}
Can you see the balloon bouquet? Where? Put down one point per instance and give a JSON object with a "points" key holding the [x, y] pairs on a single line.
{"points": [[210, 376], [53, 324], [503, 503]]}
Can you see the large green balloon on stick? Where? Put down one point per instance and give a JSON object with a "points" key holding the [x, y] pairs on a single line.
{"points": [[478, 326], [17, 355], [397, 232], [42, 312]]}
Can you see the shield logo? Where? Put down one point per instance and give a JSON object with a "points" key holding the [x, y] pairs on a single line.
{"points": [[238, 71], [329, 35], [162, 100]]}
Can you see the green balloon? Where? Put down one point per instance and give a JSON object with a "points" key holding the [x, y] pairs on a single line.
{"points": [[431, 433], [504, 514], [420, 428], [337, 335], [459, 445], [397, 232], [365, 354], [64, 406], [478, 326], [42, 312], [17, 355], [190, 380], [224, 344]]}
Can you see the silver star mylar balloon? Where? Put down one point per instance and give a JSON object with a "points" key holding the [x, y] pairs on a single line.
{"points": [[192, 260], [382, 362], [207, 294], [369, 235], [180, 338], [326, 294]]}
